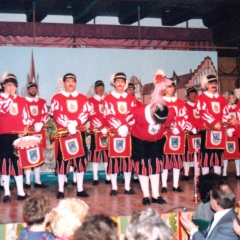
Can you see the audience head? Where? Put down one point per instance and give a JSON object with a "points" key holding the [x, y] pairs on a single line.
{"points": [[205, 184], [147, 225], [36, 208], [97, 227], [222, 194], [68, 216]]}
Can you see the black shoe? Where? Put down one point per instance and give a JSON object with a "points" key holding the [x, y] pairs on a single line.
{"points": [[60, 195], [7, 199], [135, 180], [42, 185], [74, 183], [65, 184], [146, 201], [82, 194], [107, 181], [185, 178], [164, 190], [95, 182], [1, 187], [21, 198], [178, 189], [225, 178], [123, 181], [113, 193], [27, 186], [237, 177], [159, 200], [130, 192]]}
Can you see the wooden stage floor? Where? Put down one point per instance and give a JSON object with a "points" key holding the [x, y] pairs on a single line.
{"points": [[100, 201]]}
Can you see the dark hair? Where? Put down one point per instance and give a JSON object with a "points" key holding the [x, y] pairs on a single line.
{"points": [[205, 184], [97, 227], [69, 75], [224, 194], [35, 208], [10, 78]]}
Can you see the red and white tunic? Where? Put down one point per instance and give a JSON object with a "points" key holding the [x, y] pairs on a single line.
{"points": [[67, 107], [97, 122], [116, 107], [37, 108]]}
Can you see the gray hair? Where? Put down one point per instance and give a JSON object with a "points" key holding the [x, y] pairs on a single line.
{"points": [[147, 225]]}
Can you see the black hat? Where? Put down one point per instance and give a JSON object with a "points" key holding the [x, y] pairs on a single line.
{"points": [[230, 93], [160, 116], [207, 79], [10, 78], [69, 75], [99, 83], [120, 75], [191, 89], [131, 85], [32, 84]]}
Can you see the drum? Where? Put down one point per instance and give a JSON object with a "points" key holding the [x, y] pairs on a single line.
{"points": [[30, 151], [42, 135], [175, 144]]}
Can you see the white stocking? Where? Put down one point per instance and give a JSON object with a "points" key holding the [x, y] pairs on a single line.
{"points": [[164, 176], [144, 182], [80, 177], [154, 179]]}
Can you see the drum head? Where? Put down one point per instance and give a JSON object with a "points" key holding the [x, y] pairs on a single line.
{"points": [[26, 141]]}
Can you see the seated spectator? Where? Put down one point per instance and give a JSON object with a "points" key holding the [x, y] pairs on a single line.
{"points": [[147, 225], [67, 217], [36, 213], [204, 186], [222, 201], [97, 227]]}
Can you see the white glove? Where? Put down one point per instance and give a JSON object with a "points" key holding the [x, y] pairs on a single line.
{"points": [[38, 126], [175, 131], [104, 131], [194, 131], [72, 127], [230, 132], [123, 131]]}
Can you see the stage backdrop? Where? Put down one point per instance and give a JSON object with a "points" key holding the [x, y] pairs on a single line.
{"points": [[89, 65]]}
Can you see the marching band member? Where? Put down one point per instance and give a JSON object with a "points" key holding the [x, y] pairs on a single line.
{"points": [[96, 122], [147, 131], [38, 111], [70, 111], [213, 111], [14, 118], [193, 119], [174, 161], [233, 109], [116, 106]]}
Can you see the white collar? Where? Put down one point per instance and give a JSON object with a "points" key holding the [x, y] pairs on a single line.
{"points": [[98, 98], [148, 115], [233, 106], [29, 99], [170, 99], [5, 95], [67, 94], [211, 95], [118, 95], [190, 103]]}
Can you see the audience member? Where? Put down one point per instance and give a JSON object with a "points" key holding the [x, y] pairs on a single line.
{"points": [[67, 217], [222, 201], [204, 186], [147, 225], [97, 227], [36, 212]]}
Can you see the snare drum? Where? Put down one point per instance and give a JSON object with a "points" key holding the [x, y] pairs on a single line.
{"points": [[30, 151]]}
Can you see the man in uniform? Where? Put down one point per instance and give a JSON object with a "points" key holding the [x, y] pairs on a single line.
{"points": [[97, 122], [116, 106], [213, 111], [37, 108], [174, 161], [70, 111], [193, 120], [15, 119]]}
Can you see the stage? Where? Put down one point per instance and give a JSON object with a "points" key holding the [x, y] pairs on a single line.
{"points": [[101, 202]]}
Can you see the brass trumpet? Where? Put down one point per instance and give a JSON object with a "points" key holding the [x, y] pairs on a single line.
{"points": [[60, 133]]}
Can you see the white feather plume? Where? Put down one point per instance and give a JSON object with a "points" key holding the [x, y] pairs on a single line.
{"points": [[91, 91], [112, 79], [237, 92], [3, 77], [60, 85]]}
